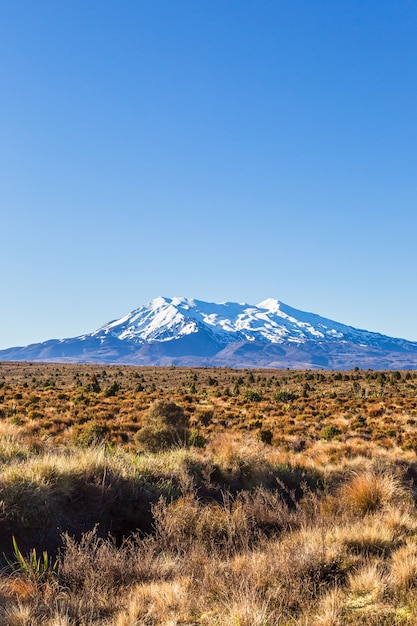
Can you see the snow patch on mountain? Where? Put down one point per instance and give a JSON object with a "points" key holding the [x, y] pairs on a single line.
{"points": [[190, 332], [270, 321]]}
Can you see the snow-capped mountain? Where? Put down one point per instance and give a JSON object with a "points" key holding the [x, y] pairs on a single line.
{"points": [[185, 331], [270, 321]]}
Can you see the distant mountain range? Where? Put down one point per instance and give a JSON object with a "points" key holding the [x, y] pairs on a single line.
{"points": [[187, 332]]}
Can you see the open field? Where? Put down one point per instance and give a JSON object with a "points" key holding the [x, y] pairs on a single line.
{"points": [[168, 496]]}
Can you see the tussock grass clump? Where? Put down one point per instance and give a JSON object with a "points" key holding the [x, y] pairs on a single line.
{"points": [[97, 563], [239, 457], [403, 567], [13, 446], [372, 488], [159, 602], [370, 537], [368, 584], [233, 524], [330, 610]]}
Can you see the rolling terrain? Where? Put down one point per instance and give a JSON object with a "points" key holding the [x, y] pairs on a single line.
{"points": [[207, 496]]}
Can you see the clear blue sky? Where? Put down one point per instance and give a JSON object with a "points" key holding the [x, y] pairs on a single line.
{"points": [[222, 150]]}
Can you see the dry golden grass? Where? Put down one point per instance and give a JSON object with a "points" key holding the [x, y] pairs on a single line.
{"points": [[403, 567], [371, 489], [370, 581], [330, 609], [278, 498]]}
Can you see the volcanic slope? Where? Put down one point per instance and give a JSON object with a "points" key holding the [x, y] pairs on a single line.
{"points": [[188, 332]]}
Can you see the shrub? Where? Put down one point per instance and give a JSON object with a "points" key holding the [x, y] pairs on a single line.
{"points": [[205, 417], [112, 390], [196, 439], [265, 436], [89, 435], [93, 385], [165, 424], [329, 432], [284, 396], [252, 395]]}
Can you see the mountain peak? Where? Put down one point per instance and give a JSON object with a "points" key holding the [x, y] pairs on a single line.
{"points": [[186, 331], [270, 304]]}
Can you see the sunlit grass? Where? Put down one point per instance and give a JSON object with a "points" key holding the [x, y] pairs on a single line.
{"points": [[294, 506]]}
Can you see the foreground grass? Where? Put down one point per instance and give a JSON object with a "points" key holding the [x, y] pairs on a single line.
{"points": [[241, 529]]}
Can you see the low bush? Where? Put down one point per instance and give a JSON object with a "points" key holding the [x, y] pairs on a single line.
{"points": [[252, 395], [329, 432], [285, 396], [165, 425]]}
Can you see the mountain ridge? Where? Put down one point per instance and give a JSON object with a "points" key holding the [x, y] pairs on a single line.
{"points": [[191, 332]]}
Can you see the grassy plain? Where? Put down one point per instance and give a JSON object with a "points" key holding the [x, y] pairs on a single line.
{"points": [[168, 496]]}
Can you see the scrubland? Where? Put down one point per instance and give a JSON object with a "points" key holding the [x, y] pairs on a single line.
{"points": [[167, 496]]}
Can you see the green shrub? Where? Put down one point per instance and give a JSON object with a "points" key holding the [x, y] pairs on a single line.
{"points": [[285, 396], [329, 432], [252, 395], [112, 390], [196, 439], [165, 425], [89, 435], [94, 384]]}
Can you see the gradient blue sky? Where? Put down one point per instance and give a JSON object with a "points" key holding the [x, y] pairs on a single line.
{"points": [[222, 150]]}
